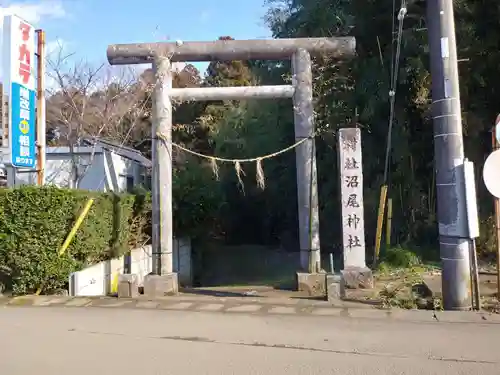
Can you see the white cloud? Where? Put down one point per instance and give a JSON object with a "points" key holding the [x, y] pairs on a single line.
{"points": [[55, 46], [33, 12], [53, 50]]}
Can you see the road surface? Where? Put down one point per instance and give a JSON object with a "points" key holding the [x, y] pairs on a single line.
{"points": [[78, 341]]}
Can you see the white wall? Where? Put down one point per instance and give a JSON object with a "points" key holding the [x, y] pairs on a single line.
{"points": [[103, 171], [118, 169], [93, 177], [102, 279], [90, 170], [58, 171]]}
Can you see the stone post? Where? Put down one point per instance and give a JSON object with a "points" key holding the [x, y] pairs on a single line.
{"points": [[307, 191], [355, 274], [163, 280]]}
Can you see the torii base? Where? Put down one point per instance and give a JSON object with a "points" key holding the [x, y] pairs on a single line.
{"points": [[161, 285], [357, 278]]}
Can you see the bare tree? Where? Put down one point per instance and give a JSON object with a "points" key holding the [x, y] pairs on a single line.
{"points": [[87, 102]]}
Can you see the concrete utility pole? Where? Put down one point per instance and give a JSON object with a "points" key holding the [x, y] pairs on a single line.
{"points": [[495, 146], [449, 156]]}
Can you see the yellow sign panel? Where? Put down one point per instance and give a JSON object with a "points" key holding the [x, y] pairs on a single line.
{"points": [[114, 283], [24, 126]]}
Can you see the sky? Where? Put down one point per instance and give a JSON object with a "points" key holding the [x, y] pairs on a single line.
{"points": [[87, 27]]}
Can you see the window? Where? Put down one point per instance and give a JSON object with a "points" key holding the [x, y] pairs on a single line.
{"points": [[130, 184]]}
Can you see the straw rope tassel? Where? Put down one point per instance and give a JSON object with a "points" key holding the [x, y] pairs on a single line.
{"points": [[261, 182], [260, 177], [239, 172], [215, 168]]}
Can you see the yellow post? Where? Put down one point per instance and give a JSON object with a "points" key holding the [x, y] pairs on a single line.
{"points": [[77, 224], [389, 223], [73, 231], [380, 222]]}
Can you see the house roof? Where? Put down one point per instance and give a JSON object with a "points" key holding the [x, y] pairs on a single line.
{"points": [[123, 151], [91, 145]]}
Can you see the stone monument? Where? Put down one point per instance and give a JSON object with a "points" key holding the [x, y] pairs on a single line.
{"points": [[355, 273]]}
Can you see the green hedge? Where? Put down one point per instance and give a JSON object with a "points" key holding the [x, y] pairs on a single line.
{"points": [[34, 223]]}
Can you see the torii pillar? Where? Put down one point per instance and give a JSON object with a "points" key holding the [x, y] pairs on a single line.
{"points": [[163, 280]]}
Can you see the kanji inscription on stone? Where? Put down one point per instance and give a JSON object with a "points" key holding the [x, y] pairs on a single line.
{"points": [[351, 191]]}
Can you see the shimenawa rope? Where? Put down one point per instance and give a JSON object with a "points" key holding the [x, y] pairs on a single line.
{"points": [[237, 162]]}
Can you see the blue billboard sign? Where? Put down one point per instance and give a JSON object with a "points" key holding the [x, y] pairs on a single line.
{"points": [[18, 57], [23, 136]]}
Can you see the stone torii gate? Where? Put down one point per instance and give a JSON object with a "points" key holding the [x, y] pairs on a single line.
{"points": [[162, 55]]}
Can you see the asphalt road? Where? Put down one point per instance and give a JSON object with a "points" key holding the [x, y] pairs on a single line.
{"points": [[77, 341]]}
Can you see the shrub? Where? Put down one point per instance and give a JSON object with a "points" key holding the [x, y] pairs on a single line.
{"points": [[34, 223], [487, 243], [399, 257]]}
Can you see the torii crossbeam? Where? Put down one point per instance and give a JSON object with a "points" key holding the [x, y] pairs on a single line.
{"points": [[161, 55]]}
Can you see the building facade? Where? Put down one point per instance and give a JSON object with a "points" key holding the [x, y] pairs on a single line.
{"points": [[95, 165]]}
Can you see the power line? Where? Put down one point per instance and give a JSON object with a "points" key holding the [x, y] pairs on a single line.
{"points": [[392, 38], [392, 99], [393, 84]]}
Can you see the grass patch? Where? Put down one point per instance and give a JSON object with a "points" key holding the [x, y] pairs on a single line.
{"points": [[408, 293], [403, 259], [402, 270], [399, 257]]}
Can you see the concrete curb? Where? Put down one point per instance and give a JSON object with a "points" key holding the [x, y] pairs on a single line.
{"points": [[254, 307]]}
